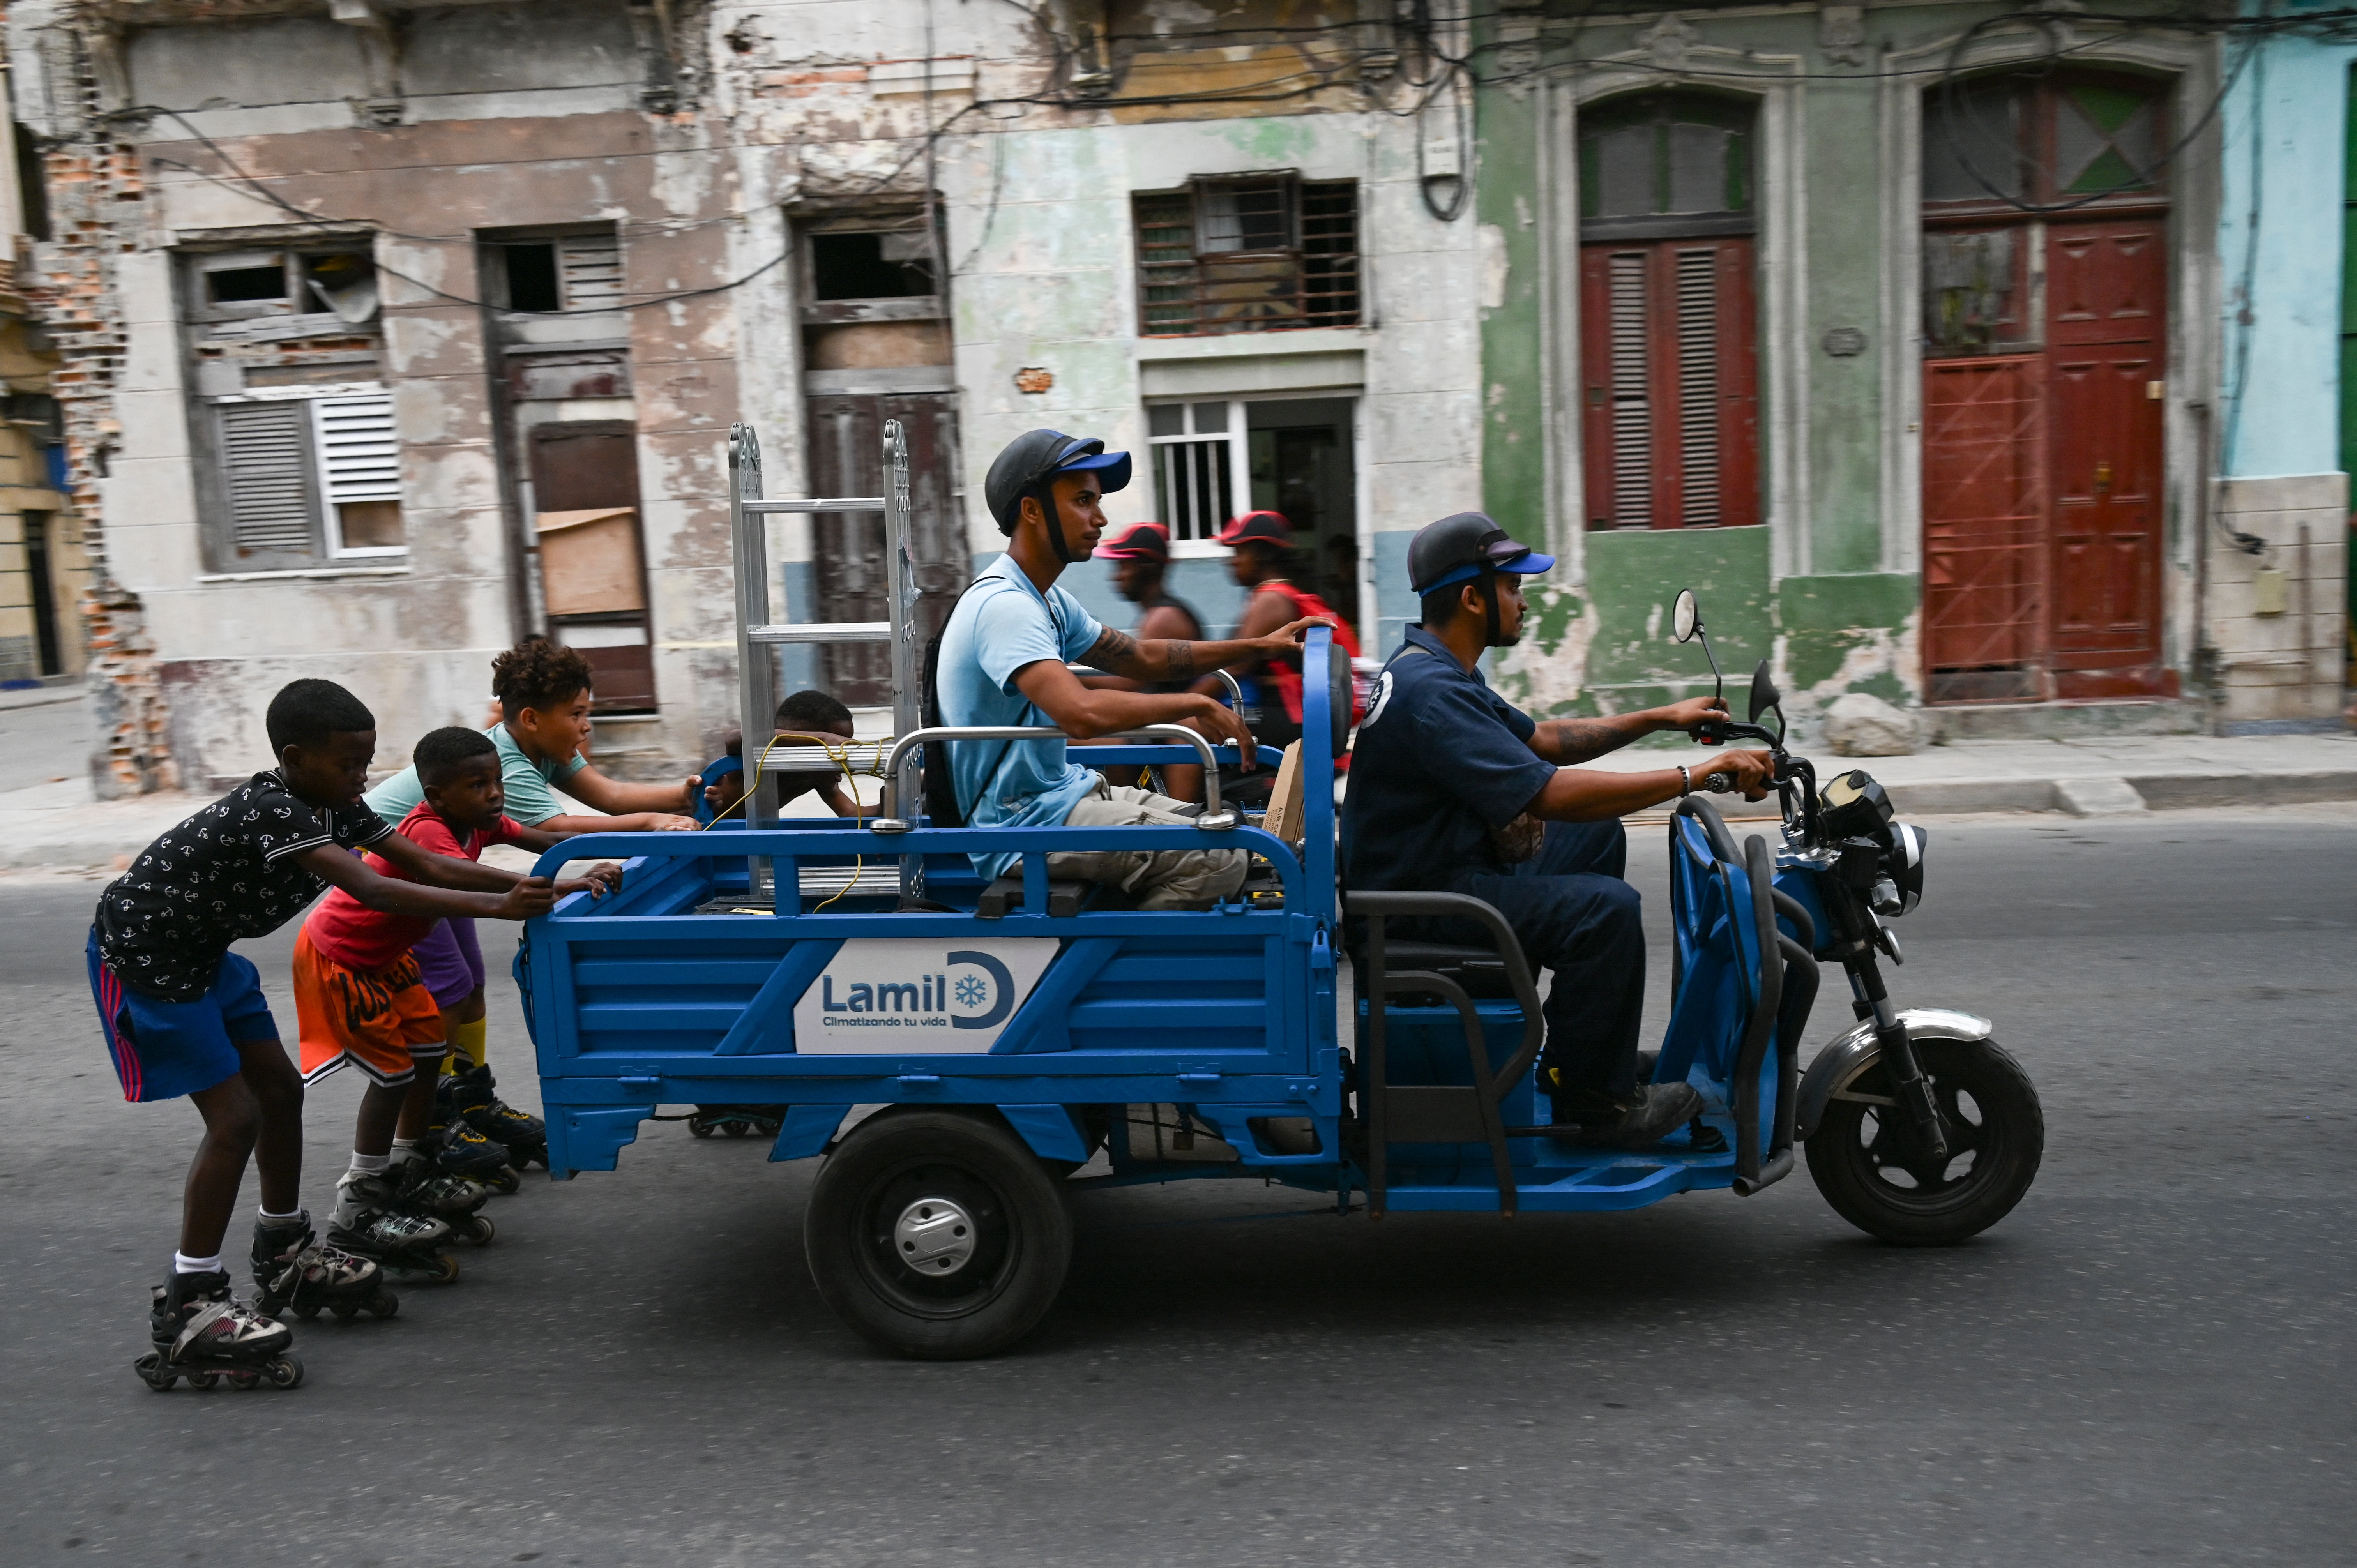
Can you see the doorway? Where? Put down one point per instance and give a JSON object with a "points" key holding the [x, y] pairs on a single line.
{"points": [[45, 600], [1303, 466], [2045, 304], [1213, 459], [585, 483]]}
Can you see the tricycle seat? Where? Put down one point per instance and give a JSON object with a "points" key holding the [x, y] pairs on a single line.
{"points": [[1480, 970]]}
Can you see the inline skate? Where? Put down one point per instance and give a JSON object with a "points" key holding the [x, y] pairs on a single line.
{"points": [[461, 1150], [470, 1096], [736, 1121], [294, 1269], [203, 1334], [422, 1188], [371, 1221]]}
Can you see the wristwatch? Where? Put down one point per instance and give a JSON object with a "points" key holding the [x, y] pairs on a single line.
{"points": [[1685, 781]]}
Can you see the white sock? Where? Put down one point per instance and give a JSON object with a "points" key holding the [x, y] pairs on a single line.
{"points": [[405, 1150], [281, 1222], [369, 1164], [183, 1264]]}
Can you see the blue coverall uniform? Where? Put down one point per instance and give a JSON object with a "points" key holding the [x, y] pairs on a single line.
{"points": [[1441, 759]]}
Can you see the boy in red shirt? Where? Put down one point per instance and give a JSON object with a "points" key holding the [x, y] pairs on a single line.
{"points": [[359, 998]]}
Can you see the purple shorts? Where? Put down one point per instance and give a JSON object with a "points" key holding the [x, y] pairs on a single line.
{"points": [[450, 962]]}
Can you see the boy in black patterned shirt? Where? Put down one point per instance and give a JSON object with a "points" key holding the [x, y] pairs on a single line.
{"points": [[184, 1015]]}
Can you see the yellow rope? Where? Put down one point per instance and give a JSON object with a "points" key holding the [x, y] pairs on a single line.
{"points": [[838, 751]]}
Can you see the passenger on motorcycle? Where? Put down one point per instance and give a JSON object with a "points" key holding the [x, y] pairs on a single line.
{"points": [[1453, 789], [1002, 662]]}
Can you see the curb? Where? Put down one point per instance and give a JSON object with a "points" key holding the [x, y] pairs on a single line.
{"points": [[2091, 795]]}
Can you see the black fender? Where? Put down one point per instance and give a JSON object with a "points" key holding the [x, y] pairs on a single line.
{"points": [[1839, 1064]]}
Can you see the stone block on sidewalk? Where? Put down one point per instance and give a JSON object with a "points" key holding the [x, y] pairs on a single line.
{"points": [[2098, 797], [1857, 724]]}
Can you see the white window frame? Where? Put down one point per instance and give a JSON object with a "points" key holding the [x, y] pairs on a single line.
{"points": [[331, 491], [1238, 460]]}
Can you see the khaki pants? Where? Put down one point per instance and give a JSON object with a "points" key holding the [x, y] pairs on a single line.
{"points": [[1159, 879]]}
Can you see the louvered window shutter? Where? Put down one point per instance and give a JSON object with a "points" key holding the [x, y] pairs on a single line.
{"points": [[266, 473], [358, 459], [1669, 359], [591, 269]]}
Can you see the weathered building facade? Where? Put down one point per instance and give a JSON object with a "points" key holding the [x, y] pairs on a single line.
{"points": [[371, 314], [1895, 330], [42, 567], [399, 332], [1908, 334]]}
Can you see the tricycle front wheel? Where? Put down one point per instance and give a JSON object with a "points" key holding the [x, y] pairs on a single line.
{"points": [[936, 1234], [1871, 1165]]}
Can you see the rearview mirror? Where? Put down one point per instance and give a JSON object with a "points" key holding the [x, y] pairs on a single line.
{"points": [[1764, 695], [1686, 617]]}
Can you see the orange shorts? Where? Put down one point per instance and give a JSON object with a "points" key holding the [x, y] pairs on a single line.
{"points": [[382, 1021]]}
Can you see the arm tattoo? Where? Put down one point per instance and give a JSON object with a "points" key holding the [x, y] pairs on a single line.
{"points": [[1178, 658], [1116, 651], [1582, 740]]}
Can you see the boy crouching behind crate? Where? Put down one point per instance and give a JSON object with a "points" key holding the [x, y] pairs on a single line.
{"points": [[359, 999]]}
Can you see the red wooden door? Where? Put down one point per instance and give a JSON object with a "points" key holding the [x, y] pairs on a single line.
{"points": [[2106, 284], [1984, 527], [2041, 487]]}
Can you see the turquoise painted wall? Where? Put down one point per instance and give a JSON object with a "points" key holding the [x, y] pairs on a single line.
{"points": [[2281, 368]]}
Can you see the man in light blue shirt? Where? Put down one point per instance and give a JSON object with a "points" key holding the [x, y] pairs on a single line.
{"points": [[1002, 663]]}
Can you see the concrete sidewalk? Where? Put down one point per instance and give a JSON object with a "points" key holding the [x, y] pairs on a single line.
{"points": [[2114, 775], [60, 824]]}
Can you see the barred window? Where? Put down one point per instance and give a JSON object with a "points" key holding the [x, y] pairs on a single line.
{"points": [[1257, 253]]}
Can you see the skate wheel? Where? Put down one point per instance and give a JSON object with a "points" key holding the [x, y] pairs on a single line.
{"points": [[308, 1311], [151, 1372], [245, 1379], [445, 1270], [383, 1304], [342, 1309], [203, 1380], [505, 1180], [699, 1126], [478, 1229], [283, 1372], [735, 1129]]}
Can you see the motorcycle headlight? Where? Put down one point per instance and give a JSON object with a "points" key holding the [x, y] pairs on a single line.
{"points": [[1901, 887]]}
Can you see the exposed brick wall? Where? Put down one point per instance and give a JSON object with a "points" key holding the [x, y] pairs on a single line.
{"points": [[96, 211]]}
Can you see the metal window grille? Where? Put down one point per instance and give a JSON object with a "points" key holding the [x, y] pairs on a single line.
{"points": [[1193, 467], [1248, 255]]}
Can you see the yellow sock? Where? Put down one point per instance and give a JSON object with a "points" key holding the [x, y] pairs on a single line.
{"points": [[467, 1044]]}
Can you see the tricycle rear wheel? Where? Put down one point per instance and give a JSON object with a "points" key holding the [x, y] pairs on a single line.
{"points": [[936, 1234], [1868, 1162]]}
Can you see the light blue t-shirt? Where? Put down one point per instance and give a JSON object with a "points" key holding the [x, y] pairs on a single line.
{"points": [[1002, 624]]}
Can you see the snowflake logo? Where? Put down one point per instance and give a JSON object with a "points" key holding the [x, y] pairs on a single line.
{"points": [[971, 990]]}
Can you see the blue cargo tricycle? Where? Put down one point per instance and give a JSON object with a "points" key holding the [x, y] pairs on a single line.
{"points": [[966, 1057]]}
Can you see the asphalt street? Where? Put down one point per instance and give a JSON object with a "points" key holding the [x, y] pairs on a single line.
{"points": [[2149, 1362]]}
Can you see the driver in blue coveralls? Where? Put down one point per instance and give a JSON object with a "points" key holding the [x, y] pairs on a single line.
{"points": [[1455, 790]]}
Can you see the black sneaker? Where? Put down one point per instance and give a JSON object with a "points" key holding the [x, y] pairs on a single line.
{"points": [[1657, 1110]]}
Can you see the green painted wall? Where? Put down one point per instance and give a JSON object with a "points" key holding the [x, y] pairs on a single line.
{"points": [[1600, 644]]}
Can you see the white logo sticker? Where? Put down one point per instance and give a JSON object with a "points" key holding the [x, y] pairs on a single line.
{"points": [[883, 995], [1382, 695]]}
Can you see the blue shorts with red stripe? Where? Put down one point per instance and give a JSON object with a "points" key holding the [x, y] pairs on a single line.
{"points": [[163, 1050]]}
